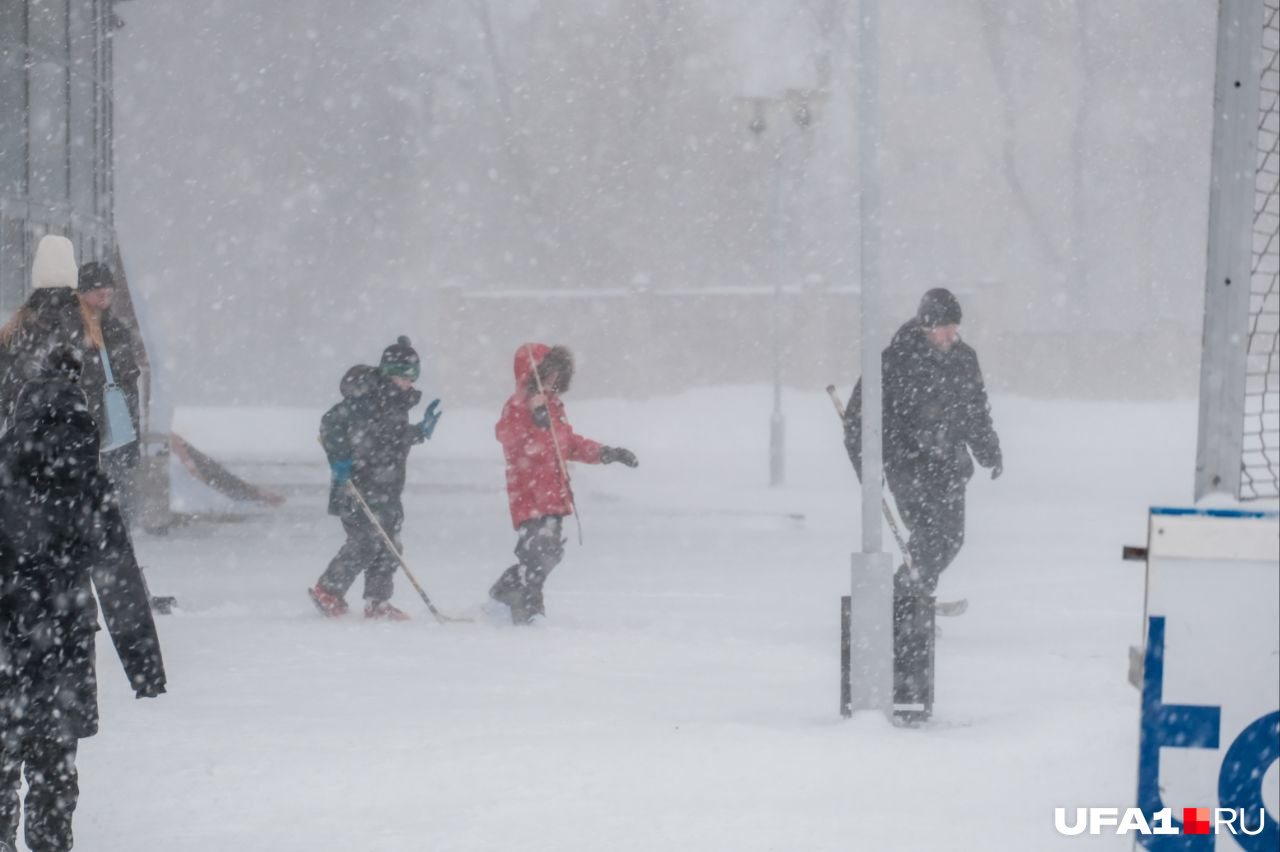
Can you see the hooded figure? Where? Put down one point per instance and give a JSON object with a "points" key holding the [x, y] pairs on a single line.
{"points": [[49, 318], [535, 484], [532, 428], [62, 538], [367, 437]]}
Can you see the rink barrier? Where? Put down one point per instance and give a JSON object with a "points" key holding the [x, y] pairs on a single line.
{"points": [[1209, 731]]}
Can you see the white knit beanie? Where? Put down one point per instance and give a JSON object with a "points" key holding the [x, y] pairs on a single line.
{"points": [[54, 264]]}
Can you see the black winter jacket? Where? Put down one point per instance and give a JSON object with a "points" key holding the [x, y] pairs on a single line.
{"points": [[370, 428], [63, 537], [55, 321], [935, 412], [121, 351]]}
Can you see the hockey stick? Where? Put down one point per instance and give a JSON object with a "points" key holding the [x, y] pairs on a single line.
{"points": [[551, 427], [368, 513], [884, 504]]}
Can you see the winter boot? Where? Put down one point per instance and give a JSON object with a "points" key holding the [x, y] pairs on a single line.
{"points": [[535, 579], [533, 601], [522, 611], [510, 589], [329, 604], [384, 611], [913, 657]]}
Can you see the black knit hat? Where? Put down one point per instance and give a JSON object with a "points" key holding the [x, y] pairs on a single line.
{"points": [[400, 359], [938, 307], [95, 276]]}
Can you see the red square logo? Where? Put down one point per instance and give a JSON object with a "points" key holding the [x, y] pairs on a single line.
{"points": [[1196, 820]]}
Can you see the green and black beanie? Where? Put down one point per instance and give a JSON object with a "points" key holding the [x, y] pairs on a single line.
{"points": [[400, 359]]}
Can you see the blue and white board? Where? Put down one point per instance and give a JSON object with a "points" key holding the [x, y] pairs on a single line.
{"points": [[1210, 733]]}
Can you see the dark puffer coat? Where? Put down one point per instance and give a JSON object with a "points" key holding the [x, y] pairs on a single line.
{"points": [[122, 352], [53, 321], [63, 537], [935, 413], [370, 428]]}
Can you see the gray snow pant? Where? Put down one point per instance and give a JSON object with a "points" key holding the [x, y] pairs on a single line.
{"points": [[539, 549], [51, 795], [365, 550], [934, 516]]}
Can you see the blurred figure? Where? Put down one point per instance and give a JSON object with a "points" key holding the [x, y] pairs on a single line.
{"points": [[110, 358], [935, 413], [537, 490], [367, 437], [62, 538], [49, 318]]}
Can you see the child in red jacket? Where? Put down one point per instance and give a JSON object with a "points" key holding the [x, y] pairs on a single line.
{"points": [[536, 487]]}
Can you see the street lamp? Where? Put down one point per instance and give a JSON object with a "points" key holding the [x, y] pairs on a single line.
{"points": [[801, 106]]}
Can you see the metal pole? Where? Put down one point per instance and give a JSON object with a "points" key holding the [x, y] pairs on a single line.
{"points": [[1220, 446], [777, 424], [871, 586], [869, 268]]}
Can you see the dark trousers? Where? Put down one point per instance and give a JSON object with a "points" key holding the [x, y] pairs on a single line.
{"points": [[50, 768], [933, 513], [365, 550], [121, 467], [539, 549]]}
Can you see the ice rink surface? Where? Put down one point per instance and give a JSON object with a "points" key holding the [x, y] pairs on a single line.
{"points": [[682, 693]]}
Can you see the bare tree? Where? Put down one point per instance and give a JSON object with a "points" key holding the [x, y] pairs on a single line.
{"points": [[1042, 234]]}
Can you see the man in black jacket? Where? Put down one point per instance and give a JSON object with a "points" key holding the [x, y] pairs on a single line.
{"points": [[935, 414], [367, 437], [61, 538]]}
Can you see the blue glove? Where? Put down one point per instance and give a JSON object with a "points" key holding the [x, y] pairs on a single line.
{"points": [[430, 418], [341, 471]]}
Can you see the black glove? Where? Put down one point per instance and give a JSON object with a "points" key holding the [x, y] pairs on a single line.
{"points": [[997, 469], [541, 417], [609, 455]]}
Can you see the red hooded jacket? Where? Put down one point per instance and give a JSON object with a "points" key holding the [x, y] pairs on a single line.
{"points": [[535, 486]]}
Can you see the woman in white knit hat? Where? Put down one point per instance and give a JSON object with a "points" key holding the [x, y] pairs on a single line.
{"points": [[50, 317]]}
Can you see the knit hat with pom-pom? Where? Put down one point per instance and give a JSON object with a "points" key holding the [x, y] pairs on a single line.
{"points": [[400, 359]]}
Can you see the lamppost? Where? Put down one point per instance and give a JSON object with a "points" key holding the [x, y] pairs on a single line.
{"points": [[801, 106], [870, 626]]}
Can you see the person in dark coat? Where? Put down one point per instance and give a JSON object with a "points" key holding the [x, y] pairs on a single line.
{"points": [[48, 319], [62, 538], [367, 437], [936, 415], [532, 426], [103, 332]]}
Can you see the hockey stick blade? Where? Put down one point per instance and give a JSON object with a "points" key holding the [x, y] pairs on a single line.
{"points": [[950, 609]]}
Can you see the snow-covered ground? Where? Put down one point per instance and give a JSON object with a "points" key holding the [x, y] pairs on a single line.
{"points": [[682, 694]]}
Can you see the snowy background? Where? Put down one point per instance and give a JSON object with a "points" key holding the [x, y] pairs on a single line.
{"points": [[298, 183], [683, 693]]}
